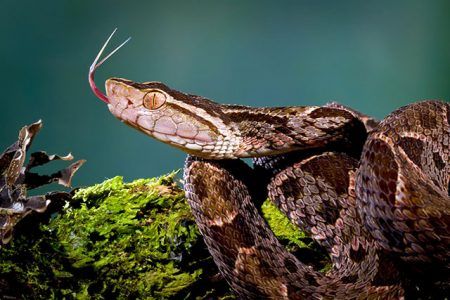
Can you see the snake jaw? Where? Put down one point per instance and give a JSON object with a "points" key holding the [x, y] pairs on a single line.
{"points": [[95, 64]]}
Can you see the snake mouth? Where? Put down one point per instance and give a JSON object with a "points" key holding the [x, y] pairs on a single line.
{"points": [[193, 146], [203, 141], [167, 134], [95, 64], [178, 139]]}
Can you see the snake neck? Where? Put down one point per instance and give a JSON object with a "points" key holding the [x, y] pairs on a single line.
{"points": [[273, 131]]}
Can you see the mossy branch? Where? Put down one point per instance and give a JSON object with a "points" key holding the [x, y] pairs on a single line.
{"points": [[121, 240]]}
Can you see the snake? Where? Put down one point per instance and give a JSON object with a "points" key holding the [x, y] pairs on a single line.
{"points": [[374, 194]]}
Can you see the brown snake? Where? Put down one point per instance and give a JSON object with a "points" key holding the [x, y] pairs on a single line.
{"points": [[375, 195]]}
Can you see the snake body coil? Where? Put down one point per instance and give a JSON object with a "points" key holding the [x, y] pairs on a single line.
{"points": [[374, 195]]}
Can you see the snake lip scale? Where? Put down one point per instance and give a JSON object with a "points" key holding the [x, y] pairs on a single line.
{"points": [[374, 194]]}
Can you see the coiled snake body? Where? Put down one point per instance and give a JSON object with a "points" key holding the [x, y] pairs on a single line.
{"points": [[376, 196]]}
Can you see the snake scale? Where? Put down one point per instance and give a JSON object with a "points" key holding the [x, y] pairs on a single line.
{"points": [[374, 194]]}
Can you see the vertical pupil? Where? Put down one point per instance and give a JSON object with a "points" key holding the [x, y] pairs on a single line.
{"points": [[154, 100]]}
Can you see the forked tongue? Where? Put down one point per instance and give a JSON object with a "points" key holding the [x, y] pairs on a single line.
{"points": [[97, 64]]}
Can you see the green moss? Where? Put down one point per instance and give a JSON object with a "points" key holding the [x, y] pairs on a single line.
{"points": [[120, 240], [295, 241], [282, 227], [133, 236], [114, 239]]}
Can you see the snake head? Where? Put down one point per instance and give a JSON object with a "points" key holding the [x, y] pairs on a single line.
{"points": [[188, 122], [162, 113]]}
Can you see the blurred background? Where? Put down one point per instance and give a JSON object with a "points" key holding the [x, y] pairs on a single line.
{"points": [[373, 57]]}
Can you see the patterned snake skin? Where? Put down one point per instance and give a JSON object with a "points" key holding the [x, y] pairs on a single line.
{"points": [[374, 195]]}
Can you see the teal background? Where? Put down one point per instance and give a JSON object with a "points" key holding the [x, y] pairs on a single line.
{"points": [[373, 56]]}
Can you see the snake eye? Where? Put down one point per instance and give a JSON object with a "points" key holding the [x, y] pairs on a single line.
{"points": [[154, 100]]}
